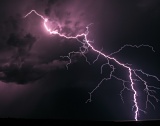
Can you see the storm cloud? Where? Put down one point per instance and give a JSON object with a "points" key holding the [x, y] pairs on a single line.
{"points": [[34, 79]]}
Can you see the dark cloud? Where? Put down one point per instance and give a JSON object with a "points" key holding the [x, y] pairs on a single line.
{"points": [[27, 73], [22, 45], [10, 25], [17, 46], [19, 67], [56, 64], [51, 4], [22, 75], [12, 70]]}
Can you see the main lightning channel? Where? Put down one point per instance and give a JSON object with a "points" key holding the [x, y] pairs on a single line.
{"points": [[88, 42]]}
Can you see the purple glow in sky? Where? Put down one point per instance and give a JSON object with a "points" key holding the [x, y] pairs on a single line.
{"points": [[112, 52]]}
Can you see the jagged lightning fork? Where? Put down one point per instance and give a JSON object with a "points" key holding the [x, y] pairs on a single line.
{"points": [[86, 44], [133, 46]]}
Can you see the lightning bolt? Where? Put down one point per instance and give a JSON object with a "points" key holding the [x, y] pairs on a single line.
{"points": [[86, 44]]}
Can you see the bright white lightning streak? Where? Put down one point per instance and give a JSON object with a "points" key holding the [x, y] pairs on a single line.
{"points": [[87, 44]]}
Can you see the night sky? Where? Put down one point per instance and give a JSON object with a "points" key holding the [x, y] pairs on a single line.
{"points": [[34, 80]]}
